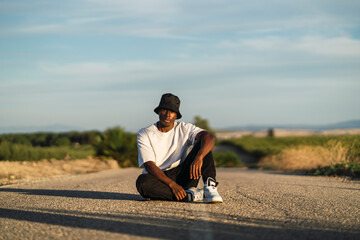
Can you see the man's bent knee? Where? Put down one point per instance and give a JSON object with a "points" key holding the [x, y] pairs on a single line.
{"points": [[143, 184], [140, 181]]}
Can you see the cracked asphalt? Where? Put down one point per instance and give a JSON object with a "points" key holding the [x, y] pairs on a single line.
{"points": [[257, 205]]}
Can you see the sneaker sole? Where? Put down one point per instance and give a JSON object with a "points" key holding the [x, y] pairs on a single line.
{"points": [[213, 201]]}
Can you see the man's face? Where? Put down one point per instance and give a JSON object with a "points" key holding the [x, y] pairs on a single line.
{"points": [[167, 117]]}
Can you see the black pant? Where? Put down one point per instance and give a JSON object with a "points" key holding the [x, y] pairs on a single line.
{"points": [[150, 187]]}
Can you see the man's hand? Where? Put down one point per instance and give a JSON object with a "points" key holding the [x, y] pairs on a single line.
{"points": [[207, 144], [195, 168], [177, 190]]}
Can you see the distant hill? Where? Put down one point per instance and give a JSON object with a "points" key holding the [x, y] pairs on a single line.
{"points": [[318, 127], [31, 129]]}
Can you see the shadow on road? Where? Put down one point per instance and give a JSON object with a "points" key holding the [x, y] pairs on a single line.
{"points": [[173, 228], [76, 194]]}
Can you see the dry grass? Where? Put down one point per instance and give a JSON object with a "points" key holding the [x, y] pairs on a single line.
{"points": [[304, 158], [14, 172]]}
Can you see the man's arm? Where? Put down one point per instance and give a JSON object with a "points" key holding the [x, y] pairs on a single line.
{"points": [[207, 144], [154, 170]]}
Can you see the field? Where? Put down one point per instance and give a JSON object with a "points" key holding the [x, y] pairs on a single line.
{"points": [[320, 155], [20, 152]]}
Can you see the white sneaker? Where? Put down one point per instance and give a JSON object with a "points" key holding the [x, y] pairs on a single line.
{"points": [[194, 194], [211, 194]]}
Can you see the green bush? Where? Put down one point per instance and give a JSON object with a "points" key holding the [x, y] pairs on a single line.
{"points": [[227, 159], [204, 124], [342, 169], [119, 145]]}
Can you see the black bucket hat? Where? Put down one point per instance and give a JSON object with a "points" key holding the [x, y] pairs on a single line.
{"points": [[170, 102]]}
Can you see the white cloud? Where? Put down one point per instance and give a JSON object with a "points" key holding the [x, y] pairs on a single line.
{"points": [[336, 46], [75, 69], [164, 19], [94, 27], [342, 46], [43, 28], [216, 69], [140, 8]]}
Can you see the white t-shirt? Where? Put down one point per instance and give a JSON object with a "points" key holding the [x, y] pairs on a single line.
{"points": [[166, 149]]}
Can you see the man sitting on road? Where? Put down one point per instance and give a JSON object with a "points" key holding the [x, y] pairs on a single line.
{"points": [[170, 172]]}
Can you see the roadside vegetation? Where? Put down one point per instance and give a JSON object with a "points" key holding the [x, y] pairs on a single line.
{"points": [[20, 152], [227, 159], [38, 146], [315, 155], [222, 159], [203, 123], [114, 143]]}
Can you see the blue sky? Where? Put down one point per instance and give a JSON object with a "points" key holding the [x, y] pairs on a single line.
{"points": [[95, 64]]}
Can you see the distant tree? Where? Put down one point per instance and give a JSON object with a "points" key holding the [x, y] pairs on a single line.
{"points": [[38, 139], [271, 132], [62, 141], [51, 138], [90, 137], [203, 123], [21, 139]]}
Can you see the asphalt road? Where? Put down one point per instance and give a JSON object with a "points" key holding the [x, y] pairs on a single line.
{"points": [[257, 205]]}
